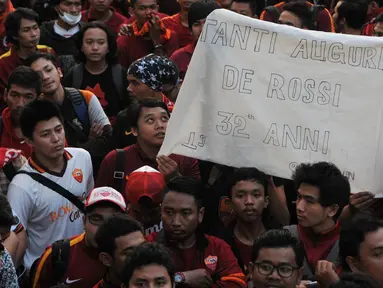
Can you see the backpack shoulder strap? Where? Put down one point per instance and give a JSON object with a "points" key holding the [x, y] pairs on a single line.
{"points": [[60, 258], [118, 80], [119, 171], [77, 76], [56, 188], [79, 106], [274, 12]]}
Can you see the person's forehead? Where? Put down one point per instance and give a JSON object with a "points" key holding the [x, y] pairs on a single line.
{"points": [[151, 272], [21, 90], [373, 240], [41, 63], [276, 256], [24, 23], [152, 110], [70, 2], [248, 185], [309, 190], [240, 5], [47, 124], [130, 240], [146, 2], [95, 33], [178, 200]]}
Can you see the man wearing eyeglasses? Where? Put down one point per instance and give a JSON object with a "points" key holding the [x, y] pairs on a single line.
{"points": [[83, 267], [276, 260]]}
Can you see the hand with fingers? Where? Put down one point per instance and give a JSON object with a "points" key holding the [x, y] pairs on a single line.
{"points": [[168, 167], [96, 130]]}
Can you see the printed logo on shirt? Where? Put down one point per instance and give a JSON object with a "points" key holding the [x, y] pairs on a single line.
{"points": [[127, 133], [225, 211], [96, 90], [211, 262], [77, 175]]}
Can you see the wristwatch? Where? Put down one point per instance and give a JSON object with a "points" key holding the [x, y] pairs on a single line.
{"points": [[179, 277]]}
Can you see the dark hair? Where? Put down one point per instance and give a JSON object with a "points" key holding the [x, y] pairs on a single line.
{"points": [[247, 174], [133, 2], [379, 18], [6, 215], [200, 10], [355, 280], [117, 226], [278, 238], [145, 255], [25, 77], [13, 22], [353, 234], [254, 5], [354, 12], [334, 188], [35, 112], [102, 204], [187, 185], [302, 10], [38, 55], [111, 56], [136, 109]]}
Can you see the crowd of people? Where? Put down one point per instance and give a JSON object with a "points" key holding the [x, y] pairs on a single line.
{"points": [[87, 89]]}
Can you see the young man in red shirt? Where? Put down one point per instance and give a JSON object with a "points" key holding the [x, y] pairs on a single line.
{"points": [[148, 35], [200, 260], [248, 198], [22, 30], [24, 86], [144, 194], [116, 239], [84, 268], [100, 10], [179, 23], [196, 18], [149, 120], [322, 194]]}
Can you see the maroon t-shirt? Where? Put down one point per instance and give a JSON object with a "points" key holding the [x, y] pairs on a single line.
{"points": [[182, 58], [184, 34], [114, 22], [136, 158], [132, 47]]}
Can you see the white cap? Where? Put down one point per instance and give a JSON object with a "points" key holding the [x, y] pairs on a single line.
{"points": [[108, 194]]}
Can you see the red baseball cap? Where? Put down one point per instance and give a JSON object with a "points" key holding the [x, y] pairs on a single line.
{"points": [[102, 194], [145, 181]]}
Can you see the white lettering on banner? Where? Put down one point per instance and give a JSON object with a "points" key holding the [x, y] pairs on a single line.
{"points": [[263, 95]]}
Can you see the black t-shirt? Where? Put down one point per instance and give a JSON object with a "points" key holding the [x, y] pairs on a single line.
{"points": [[103, 86]]}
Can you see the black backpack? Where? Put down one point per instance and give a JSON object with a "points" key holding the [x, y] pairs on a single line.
{"points": [[60, 260]]}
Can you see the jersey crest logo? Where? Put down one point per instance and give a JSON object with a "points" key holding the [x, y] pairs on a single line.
{"points": [[77, 174], [211, 262]]}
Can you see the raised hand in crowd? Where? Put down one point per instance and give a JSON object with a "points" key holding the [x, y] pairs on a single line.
{"points": [[325, 273]]}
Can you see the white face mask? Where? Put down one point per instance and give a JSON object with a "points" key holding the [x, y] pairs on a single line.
{"points": [[69, 18]]}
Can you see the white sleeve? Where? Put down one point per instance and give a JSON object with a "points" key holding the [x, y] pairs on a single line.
{"points": [[96, 113], [21, 201]]}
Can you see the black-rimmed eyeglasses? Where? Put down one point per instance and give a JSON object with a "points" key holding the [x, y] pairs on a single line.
{"points": [[284, 270]]}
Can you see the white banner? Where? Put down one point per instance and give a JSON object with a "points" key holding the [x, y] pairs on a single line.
{"points": [[263, 95]]}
